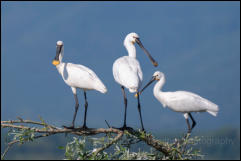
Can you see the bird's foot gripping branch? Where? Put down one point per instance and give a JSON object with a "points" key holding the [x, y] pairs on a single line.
{"points": [[118, 142]]}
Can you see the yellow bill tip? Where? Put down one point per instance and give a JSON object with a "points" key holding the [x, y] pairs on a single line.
{"points": [[136, 94], [155, 64], [55, 62]]}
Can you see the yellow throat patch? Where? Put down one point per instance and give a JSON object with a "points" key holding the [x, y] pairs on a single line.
{"points": [[55, 62]]}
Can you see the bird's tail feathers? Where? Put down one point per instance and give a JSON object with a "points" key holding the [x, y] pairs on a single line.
{"points": [[132, 90], [214, 110], [104, 90], [101, 88], [214, 113]]}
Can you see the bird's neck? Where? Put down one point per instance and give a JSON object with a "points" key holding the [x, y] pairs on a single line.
{"points": [[60, 57], [131, 49], [158, 86], [60, 68]]}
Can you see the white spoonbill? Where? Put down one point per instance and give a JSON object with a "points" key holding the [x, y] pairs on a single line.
{"points": [[77, 76], [127, 70], [181, 101]]}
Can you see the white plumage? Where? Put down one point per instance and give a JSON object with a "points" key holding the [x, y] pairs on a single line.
{"points": [[127, 70], [181, 101], [77, 76]]}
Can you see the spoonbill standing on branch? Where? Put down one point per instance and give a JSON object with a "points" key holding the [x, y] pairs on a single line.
{"points": [[181, 101], [77, 76], [127, 71]]}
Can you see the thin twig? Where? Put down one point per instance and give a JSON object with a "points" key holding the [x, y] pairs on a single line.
{"points": [[5, 151], [16, 141], [27, 122], [107, 124], [118, 137]]}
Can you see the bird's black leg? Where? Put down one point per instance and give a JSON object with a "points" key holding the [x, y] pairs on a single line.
{"points": [[139, 109], [188, 125], [124, 127], [76, 108], [86, 108], [75, 112], [125, 102], [193, 121]]}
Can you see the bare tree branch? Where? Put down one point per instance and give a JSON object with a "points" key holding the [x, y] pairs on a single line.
{"points": [[47, 130]]}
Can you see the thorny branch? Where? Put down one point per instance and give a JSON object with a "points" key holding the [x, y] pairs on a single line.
{"points": [[46, 130]]}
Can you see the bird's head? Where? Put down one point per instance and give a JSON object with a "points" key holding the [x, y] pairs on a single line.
{"points": [[60, 43], [133, 38], [157, 75]]}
